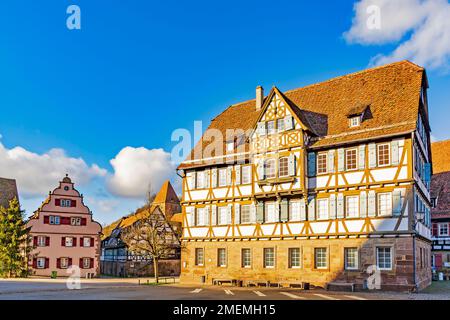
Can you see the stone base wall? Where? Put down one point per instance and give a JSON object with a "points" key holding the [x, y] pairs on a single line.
{"points": [[401, 277], [139, 268]]}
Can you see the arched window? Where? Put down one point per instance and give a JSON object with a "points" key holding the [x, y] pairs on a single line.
{"points": [[269, 167], [283, 170]]}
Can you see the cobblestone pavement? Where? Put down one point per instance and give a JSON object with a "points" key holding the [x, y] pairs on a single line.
{"points": [[106, 289]]}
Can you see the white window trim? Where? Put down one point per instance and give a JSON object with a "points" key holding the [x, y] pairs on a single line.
{"points": [[326, 259], [290, 259], [250, 259], [356, 215], [279, 166], [377, 262], [319, 201], [439, 229], [389, 152], [326, 162], [346, 267], [356, 160], [264, 259], [358, 121], [378, 204], [41, 240], [219, 184], [40, 266], [243, 169], [218, 258]]}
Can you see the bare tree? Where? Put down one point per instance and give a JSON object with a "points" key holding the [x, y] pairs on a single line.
{"points": [[153, 236]]}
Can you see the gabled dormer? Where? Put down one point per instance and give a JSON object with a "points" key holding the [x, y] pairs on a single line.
{"points": [[278, 126]]}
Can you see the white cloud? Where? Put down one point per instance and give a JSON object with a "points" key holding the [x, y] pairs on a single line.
{"points": [[36, 174], [421, 29], [137, 169], [106, 205]]}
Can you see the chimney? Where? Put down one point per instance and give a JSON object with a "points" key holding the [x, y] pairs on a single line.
{"points": [[259, 97]]}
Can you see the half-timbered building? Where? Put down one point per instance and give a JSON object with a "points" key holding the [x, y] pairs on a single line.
{"points": [[325, 184], [440, 206]]}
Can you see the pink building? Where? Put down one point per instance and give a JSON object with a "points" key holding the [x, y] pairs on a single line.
{"points": [[64, 234]]}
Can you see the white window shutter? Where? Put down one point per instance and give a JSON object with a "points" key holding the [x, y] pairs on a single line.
{"points": [[214, 177], [213, 215], [302, 209], [363, 204], [237, 213], [229, 172], [261, 128], [395, 157], [194, 180], [229, 209], [237, 171], [260, 169], [330, 161], [277, 211], [311, 208], [341, 160], [372, 155], [207, 178], [397, 202], [332, 206], [340, 206], [362, 157], [372, 204], [252, 213], [206, 213], [288, 122], [291, 165]]}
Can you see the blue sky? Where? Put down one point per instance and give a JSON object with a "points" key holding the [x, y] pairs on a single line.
{"points": [[137, 70]]}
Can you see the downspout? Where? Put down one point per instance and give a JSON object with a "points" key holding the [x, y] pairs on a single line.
{"points": [[414, 218]]}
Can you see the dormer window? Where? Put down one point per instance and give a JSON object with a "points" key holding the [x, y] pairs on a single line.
{"points": [[355, 121], [271, 127]]}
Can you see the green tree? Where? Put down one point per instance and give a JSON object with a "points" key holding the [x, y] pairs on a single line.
{"points": [[14, 241]]}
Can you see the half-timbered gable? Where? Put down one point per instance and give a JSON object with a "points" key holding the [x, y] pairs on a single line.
{"points": [[348, 158]]}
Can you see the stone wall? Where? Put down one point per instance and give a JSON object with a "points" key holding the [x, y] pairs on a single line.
{"points": [[139, 268], [399, 278]]}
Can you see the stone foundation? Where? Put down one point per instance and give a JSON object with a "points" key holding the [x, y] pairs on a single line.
{"points": [[400, 277]]}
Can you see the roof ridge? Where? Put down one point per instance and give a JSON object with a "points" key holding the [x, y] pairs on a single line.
{"points": [[349, 75]]}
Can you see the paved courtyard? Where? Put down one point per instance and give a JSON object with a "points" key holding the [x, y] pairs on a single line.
{"points": [[112, 289]]}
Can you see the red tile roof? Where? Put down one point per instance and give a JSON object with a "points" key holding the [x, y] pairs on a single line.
{"points": [[440, 153], [440, 189], [391, 94]]}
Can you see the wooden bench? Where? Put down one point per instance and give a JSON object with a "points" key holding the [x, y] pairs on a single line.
{"points": [[220, 281], [351, 286]]}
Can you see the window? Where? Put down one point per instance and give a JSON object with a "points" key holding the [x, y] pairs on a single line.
{"points": [[443, 229], [351, 258], [270, 212], [245, 214], [355, 121], [320, 255], [201, 216], [69, 242], [74, 221], [223, 213], [322, 206], [294, 257], [246, 258], [246, 174], [269, 169], [230, 145], [352, 204], [41, 241], [269, 257], [190, 180], [280, 125], [86, 263], [384, 204], [222, 177], [384, 258], [199, 256], [65, 202], [221, 257], [86, 242], [40, 263], [54, 220], [284, 167], [383, 154], [200, 180], [270, 127], [322, 163], [350, 159], [294, 210], [64, 263]]}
